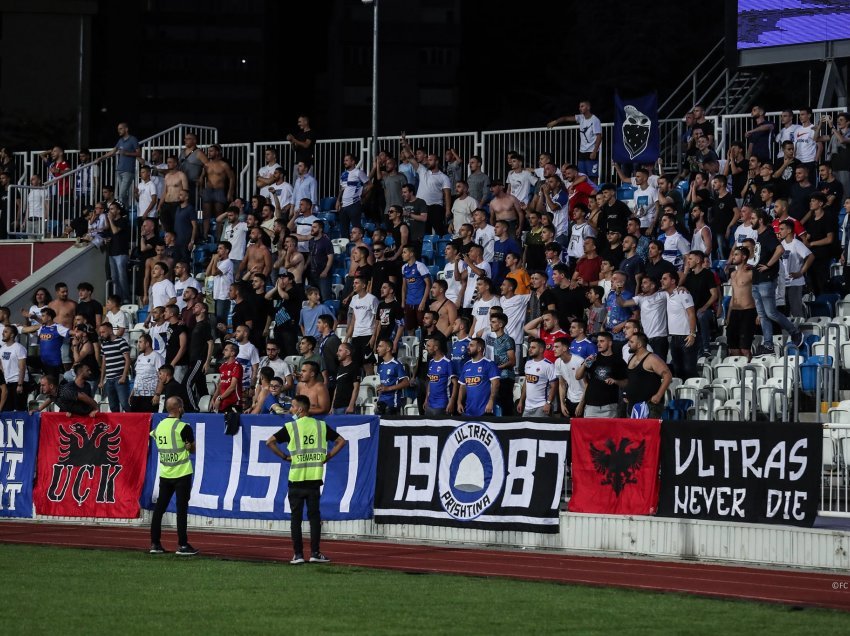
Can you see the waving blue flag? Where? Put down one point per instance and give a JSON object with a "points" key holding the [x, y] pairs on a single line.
{"points": [[636, 138]]}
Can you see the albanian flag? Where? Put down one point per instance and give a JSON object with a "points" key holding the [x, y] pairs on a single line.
{"points": [[615, 465]]}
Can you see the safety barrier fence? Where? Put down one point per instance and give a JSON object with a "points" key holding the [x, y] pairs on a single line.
{"points": [[496, 473], [247, 158]]}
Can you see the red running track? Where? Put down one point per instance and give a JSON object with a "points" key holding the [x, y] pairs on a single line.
{"points": [[795, 587]]}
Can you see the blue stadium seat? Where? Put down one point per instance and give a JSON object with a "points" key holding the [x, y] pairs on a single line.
{"points": [[824, 305], [327, 217], [626, 192], [327, 204], [433, 269], [369, 226], [334, 304], [428, 252], [389, 241], [808, 372], [337, 279]]}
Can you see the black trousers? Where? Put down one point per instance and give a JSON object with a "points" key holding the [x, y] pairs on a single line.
{"points": [[505, 396], [15, 401], [195, 383], [298, 496], [437, 219], [167, 488], [142, 404]]}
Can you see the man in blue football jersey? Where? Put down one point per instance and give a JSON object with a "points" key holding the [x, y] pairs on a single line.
{"points": [[479, 382], [460, 347], [394, 380], [415, 289], [441, 394]]}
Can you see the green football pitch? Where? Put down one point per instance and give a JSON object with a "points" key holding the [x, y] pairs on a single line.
{"points": [[68, 591]]}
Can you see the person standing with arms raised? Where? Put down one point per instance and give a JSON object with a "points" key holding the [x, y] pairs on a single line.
{"points": [[174, 442], [306, 439]]}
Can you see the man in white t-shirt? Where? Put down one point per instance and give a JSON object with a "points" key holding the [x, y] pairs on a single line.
{"points": [[807, 148], [362, 313], [146, 195], [580, 230], [38, 204], [469, 270], [514, 307], [570, 390], [646, 200], [481, 307], [13, 357], [538, 391], [652, 304], [162, 290], [462, 208], [302, 224], [351, 182], [676, 246], [221, 268], [795, 262], [454, 282], [519, 182], [590, 129], [682, 327], [235, 232], [265, 175], [485, 234], [787, 131], [435, 189], [158, 329], [182, 280]]}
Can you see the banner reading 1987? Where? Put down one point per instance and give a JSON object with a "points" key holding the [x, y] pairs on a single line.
{"points": [[471, 474]]}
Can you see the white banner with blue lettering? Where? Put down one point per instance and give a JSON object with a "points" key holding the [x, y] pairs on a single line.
{"points": [[18, 451], [237, 476]]}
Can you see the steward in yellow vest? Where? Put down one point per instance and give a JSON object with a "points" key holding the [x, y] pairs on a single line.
{"points": [[174, 442], [306, 439]]}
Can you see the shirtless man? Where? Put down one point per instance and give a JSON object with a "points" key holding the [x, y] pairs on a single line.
{"points": [[175, 183], [258, 257], [506, 207], [291, 260], [65, 310], [741, 321], [314, 389], [218, 183], [446, 309]]}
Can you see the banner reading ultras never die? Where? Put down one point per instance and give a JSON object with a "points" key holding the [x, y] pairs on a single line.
{"points": [[505, 475], [763, 472], [91, 466]]}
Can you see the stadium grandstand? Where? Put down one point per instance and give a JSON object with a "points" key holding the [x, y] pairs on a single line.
{"points": [[727, 253]]}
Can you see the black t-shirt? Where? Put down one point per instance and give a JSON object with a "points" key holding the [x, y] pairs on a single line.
{"points": [[538, 305], [293, 306], [766, 246], [614, 255], [200, 335], [656, 270], [282, 437], [89, 310], [346, 376], [833, 188], [722, 210], [706, 127], [173, 388], [818, 229], [598, 393], [799, 200], [381, 273], [613, 216], [120, 243], [569, 303], [68, 398], [389, 315], [786, 178], [740, 178], [700, 286], [173, 344], [305, 154]]}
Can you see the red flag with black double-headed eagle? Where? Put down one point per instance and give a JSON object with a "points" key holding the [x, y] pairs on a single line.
{"points": [[91, 466], [615, 465]]}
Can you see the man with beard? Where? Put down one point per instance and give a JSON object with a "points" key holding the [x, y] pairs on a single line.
{"points": [[602, 371]]}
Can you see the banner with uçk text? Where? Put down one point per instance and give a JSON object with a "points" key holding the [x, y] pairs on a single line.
{"points": [[494, 475], [18, 450], [238, 476], [756, 472], [91, 466]]}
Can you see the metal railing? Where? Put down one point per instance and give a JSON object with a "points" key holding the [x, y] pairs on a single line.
{"points": [[735, 127], [835, 478]]}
